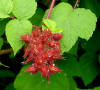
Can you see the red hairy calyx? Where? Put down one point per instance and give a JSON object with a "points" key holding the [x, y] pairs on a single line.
{"points": [[43, 49]]}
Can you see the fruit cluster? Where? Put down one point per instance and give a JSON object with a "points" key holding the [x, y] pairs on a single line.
{"points": [[43, 48]]}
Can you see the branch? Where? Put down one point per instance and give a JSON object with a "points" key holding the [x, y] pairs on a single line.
{"points": [[6, 51], [50, 9], [77, 1]]}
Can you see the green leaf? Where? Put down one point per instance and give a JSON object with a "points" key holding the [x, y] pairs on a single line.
{"points": [[6, 73], [76, 23], [69, 65], [97, 88], [74, 49], [93, 5], [1, 42], [10, 87], [93, 44], [14, 29], [37, 18], [64, 0], [24, 9], [81, 23], [60, 13], [99, 57], [5, 8], [87, 67], [2, 26], [83, 89], [50, 24], [58, 81]]}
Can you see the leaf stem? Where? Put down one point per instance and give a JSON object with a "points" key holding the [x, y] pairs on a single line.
{"points": [[77, 1], [50, 9]]}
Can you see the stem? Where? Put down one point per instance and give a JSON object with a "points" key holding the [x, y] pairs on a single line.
{"points": [[50, 9], [6, 51], [77, 1], [12, 17], [36, 27]]}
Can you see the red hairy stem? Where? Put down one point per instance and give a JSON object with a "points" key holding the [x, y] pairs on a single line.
{"points": [[36, 27], [77, 1], [12, 17], [50, 9]]}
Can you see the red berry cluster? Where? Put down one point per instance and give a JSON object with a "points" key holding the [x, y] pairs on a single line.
{"points": [[43, 48]]}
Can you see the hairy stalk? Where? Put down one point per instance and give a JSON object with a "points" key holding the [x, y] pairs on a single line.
{"points": [[36, 27], [50, 9], [12, 17], [77, 1]]}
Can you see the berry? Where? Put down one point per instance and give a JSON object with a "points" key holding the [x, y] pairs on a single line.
{"points": [[32, 69], [45, 71], [53, 44], [39, 60], [53, 69], [27, 51], [57, 36], [36, 33], [26, 38], [43, 49], [47, 32]]}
